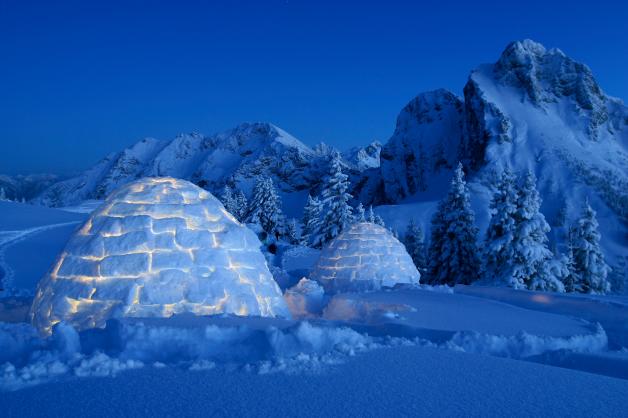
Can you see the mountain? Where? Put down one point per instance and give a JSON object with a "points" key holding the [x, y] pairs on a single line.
{"points": [[26, 187], [235, 157], [363, 158], [533, 109], [424, 147]]}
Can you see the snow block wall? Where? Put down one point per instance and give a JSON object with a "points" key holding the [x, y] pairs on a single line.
{"points": [[157, 247], [364, 257]]}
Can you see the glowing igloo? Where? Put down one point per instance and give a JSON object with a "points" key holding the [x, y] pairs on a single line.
{"points": [[364, 257], [157, 247]]}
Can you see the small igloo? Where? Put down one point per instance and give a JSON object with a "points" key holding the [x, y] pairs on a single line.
{"points": [[364, 257], [157, 247]]}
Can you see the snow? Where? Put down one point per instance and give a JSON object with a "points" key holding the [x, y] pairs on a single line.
{"points": [[398, 349], [157, 247], [364, 257], [31, 237], [401, 381], [383, 352], [305, 299]]}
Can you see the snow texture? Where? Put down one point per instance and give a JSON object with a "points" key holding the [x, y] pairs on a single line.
{"points": [[155, 248], [364, 257], [305, 299]]}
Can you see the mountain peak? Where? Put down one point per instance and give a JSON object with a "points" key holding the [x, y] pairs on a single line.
{"points": [[548, 76]]}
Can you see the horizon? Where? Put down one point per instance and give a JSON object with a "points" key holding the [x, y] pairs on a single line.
{"points": [[324, 73]]}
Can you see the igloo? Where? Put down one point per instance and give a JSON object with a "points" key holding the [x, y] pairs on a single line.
{"points": [[157, 247], [364, 257]]}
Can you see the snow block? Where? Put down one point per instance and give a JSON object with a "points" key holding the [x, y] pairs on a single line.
{"points": [[365, 257], [157, 247]]}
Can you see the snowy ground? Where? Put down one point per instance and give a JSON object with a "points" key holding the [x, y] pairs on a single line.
{"points": [[31, 237], [432, 351]]}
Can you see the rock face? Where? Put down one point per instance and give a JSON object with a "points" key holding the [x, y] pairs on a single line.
{"points": [[424, 146], [364, 257], [155, 248]]}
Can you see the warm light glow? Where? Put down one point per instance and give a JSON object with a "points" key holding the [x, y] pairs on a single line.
{"points": [[113, 266]]}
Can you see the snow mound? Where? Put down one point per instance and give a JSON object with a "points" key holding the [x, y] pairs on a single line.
{"points": [[364, 257], [155, 248], [305, 299]]}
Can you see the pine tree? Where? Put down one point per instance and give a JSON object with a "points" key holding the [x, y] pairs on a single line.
{"points": [[570, 279], [228, 201], [414, 241], [3, 195], [589, 264], [336, 201], [359, 214], [241, 204], [311, 220], [531, 260], [453, 247], [499, 248], [265, 207], [371, 215], [292, 232]]}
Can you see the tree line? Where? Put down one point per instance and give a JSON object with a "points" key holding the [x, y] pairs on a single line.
{"points": [[514, 251]]}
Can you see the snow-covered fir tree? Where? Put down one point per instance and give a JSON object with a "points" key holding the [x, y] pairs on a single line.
{"points": [[375, 219], [531, 260], [571, 280], [453, 255], [311, 220], [241, 204], [337, 214], [589, 265], [498, 252], [228, 201], [360, 215], [371, 215], [3, 194], [265, 207], [414, 241], [292, 232]]}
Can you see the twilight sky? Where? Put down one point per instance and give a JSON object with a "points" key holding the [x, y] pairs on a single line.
{"points": [[80, 79]]}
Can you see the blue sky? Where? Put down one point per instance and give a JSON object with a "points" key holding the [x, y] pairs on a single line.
{"points": [[81, 79]]}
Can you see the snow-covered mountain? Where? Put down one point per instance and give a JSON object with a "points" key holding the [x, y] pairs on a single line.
{"points": [[533, 109], [424, 146], [26, 187], [363, 158], [233, 157]]}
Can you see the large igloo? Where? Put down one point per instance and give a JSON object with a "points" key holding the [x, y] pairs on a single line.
{"points": [[364, 257], [157, 247]]}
